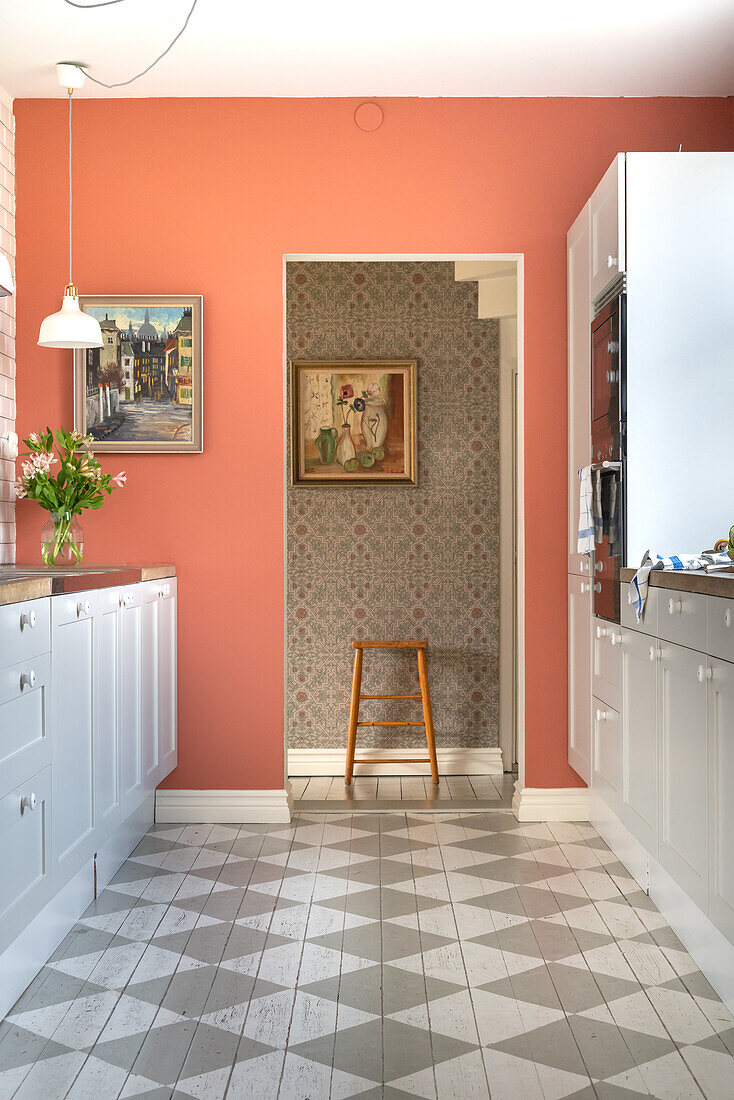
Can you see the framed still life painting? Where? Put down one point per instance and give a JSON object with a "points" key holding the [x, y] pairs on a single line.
{"points": [[142, 390], [353, 422]]}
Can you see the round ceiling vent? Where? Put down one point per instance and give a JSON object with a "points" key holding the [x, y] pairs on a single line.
{"points": [[368, 116]]}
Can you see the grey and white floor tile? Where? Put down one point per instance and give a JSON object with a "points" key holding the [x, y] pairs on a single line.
{"points": [[446, 955]]}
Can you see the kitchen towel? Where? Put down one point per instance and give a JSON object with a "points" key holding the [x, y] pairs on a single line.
{"points": [[585, 541], [640, 582]]}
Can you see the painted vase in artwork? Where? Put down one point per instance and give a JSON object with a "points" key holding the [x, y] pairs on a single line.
{"points": [[326, 444], [374, 424], [345, 451]]}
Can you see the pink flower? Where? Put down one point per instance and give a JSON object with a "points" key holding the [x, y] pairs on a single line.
{"points": [[119, 479], [346, 392], [373, 390], [20, 490]]}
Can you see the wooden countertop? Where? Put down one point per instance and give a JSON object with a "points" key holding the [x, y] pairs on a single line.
{"points": [[693, 580], [30, 582]]}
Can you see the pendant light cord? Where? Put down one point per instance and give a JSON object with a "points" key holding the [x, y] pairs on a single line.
{"points": [[70, 191], [169, 47]]}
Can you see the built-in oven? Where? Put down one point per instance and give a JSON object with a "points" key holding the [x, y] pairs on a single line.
{"points": [[608, 449]]}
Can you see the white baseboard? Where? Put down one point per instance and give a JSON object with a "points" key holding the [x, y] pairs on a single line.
{"points": [[450, 761], [709, 949], [551, 803], [233, 807]]}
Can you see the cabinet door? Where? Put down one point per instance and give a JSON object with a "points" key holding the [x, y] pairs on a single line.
{"points": [[638, 805], [107, 786], [607, 754], [579, 376], [167, 663], [130, 688], [25, 863], [607, 207], [149, 682], [579, 676], [683, 768], [721, 803], [607, 662], [72, 732]]}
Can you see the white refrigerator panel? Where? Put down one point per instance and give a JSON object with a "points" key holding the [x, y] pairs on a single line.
{"points": [[680, 350]]}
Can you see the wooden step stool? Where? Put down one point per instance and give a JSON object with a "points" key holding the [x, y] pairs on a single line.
{"points": [[425, 696]]}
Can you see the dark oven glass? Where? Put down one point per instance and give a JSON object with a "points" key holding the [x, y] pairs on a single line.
{"points": [[609, 553], [606, 367]]}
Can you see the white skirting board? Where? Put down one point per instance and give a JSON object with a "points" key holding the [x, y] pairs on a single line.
{"points": [[709, 949], [551, 803], [25, 956], [450, 761], [228, 807]]}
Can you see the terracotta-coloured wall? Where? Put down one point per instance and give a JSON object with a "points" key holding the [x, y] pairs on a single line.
{"points": [[206, 196]]}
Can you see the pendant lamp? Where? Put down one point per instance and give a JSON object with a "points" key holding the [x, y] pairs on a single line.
{"points": [[70, 327]]}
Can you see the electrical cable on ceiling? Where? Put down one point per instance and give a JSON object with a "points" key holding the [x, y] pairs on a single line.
{"points": [[124, 83]]}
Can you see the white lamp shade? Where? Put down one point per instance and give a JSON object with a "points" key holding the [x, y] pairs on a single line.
{"points": [[6, 277], [70, 327]]}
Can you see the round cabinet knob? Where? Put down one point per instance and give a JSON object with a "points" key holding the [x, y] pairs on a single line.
{"points": [[82, 608], [597, 586], [166, 590], [616, 639], [27, 679], [584, 587], [612, 261], [704, 673], [601, 632], [674, 606], [727, 618], [612, 376], [28, 802], [598, 566], [654, 653], [629, 599], [601, 716], [126, 599], [584, 565], [28, 618]]}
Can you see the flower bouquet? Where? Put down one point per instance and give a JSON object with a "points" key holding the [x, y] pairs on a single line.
{"points": [[79, 483]]}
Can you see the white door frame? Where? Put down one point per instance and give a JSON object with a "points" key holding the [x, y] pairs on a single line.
{"points": [[386, 257]]}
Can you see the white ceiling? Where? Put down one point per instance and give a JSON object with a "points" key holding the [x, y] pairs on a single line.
{"points": [[386, 47]]}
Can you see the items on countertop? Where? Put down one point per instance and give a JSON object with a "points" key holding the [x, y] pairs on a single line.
{"points": [[708, 561]]}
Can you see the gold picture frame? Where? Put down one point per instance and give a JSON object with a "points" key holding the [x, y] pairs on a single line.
{"points": [[353, 422], [142, 391]]}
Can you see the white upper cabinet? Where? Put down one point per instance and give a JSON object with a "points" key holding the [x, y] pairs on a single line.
{"points": [[579, 377], [607, 223]]}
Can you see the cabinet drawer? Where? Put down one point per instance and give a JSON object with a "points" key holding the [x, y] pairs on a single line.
{"points": [[648, 624], [720, 627], [607, 663], [24, 742], [25, 631], [25, 866], [73, 606], [682, 618], [607, 750]]}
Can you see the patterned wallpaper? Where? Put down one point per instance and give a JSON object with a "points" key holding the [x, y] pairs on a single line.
{"points": [[401, 561]]}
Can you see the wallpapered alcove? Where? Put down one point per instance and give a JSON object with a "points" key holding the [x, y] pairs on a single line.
{"points": [[399, 561]]}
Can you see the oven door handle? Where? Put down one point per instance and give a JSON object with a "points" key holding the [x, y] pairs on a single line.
{"points": [[606, 466]]}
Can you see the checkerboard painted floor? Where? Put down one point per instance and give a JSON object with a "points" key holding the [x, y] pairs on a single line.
{"points": [[443, 955]]}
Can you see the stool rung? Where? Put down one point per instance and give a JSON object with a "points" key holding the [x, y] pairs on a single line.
{"points": [[391, 723], [403, 760], [417, 696]]}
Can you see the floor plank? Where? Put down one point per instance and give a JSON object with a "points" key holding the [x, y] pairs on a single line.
{"points": [[388, 786], [459, 786], [318, 786], [298, 785]]}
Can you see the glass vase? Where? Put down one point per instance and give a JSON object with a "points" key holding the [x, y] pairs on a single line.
{"points": [[62, 540]]}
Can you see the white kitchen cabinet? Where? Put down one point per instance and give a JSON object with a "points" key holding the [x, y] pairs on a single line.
{"points": [[72, 731], [607, 226], [720, 627], [607, 754], [638, 804], [579, 676], [607, 662], [167, 681], [25, 745], [579, 377], [25, 855], [720, 800], [107, 742], [682, 739], [131, 697]]}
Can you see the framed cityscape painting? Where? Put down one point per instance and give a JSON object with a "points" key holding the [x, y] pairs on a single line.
{"points": [[142, 390], [353, 422]]}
